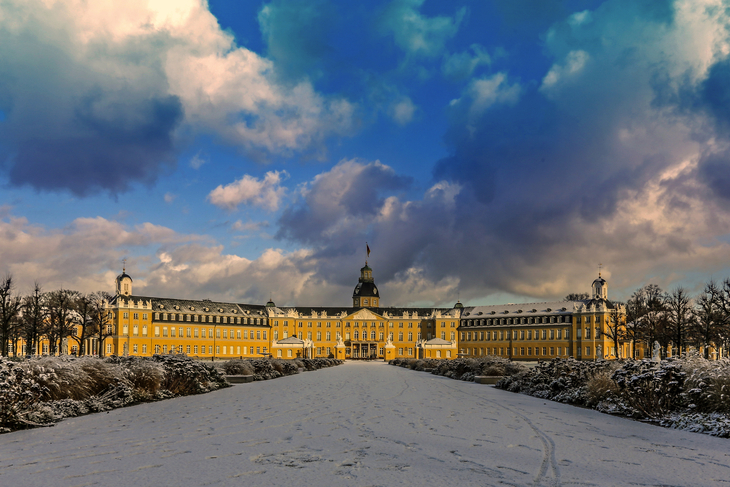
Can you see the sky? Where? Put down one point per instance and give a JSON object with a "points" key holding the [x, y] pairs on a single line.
{"points": [[487, 151]]}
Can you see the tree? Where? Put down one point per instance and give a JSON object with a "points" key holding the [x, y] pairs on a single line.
{"points": [[635, 311], [577, 297], [100, 318], [33, 322], [9, 310], [615, 327], [62, 318], [710, 320], [85, 326], [680, 316]]}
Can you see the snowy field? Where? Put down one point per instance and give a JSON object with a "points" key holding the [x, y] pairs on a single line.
{"points": [[359, 424]]}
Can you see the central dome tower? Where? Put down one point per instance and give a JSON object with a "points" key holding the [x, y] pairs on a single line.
{"points": [[366, 292]]}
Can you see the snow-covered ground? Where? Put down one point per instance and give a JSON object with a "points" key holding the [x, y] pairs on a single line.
{"points": [[360, 424]]}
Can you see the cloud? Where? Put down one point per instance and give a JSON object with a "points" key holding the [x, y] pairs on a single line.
{"points": [[461, 65], [402, 111], [169, 197], [619, 156], [96, 96], [249, 226], [296, 36], [197, 161], [342, 199], [265, 193], [415, 33]]}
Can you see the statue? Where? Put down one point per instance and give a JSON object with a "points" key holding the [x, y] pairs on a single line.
{"points": [[656, 354]]}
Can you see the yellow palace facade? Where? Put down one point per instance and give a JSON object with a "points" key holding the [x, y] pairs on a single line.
{"points": [[212, 330]]}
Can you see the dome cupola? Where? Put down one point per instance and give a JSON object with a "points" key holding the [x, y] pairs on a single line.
{"points": [[124, 283], [600, 288], [366, 294]]}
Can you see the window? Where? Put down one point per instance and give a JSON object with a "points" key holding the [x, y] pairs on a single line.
{"points": [[251, 350], [144, 348], [144, 316], [135, 330], [164, 331], [410, 336], [258, 334], [217, 334], [356, 335], [135, 316], [238, 334], [400, 351], [328, 336], [217, 349], [238, 350], [195, 332], [164, 348], [126, 314], [522, 350], [224, 349], [144, 330], [195, 349], [188, 332], [319, 336], [134, 348], [187, 349], [529, 350], [588, 350], [225, 333]]}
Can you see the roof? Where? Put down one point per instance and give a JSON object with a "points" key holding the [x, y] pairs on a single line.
{"points": [[123, 275], [199, 306], [365, 289], [524, 309]]}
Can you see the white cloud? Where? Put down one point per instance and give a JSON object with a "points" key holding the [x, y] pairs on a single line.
{"points": [[265, 193], [575, 61], [249, 226], [101, 61], [402, 111], [197, 161], [417, 34], [169, 197]]}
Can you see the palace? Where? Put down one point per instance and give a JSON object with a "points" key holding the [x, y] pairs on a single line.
{"points": [[211, 330]]}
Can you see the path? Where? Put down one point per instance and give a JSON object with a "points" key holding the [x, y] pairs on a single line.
{"points": [[359, 424]]}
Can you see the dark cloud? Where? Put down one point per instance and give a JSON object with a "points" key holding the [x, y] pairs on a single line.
{"points": [[549, 177], [108, 150], [351, 190]]}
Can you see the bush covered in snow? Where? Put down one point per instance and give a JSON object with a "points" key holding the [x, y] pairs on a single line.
{"points": [[689, 393], [265, 368], [463, 368], [43, 390]]}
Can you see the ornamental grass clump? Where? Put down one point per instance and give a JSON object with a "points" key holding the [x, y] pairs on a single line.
{"points": [[19, 391], [652, 389], [707, 384]]}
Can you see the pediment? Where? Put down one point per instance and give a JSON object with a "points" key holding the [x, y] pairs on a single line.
{"points": [[364, 314]]}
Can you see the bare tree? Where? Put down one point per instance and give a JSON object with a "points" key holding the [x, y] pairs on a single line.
{"points": [[680, 317], [710, 320], [62, 318], [85, 326], [635, 311], [9, 310], [33, 321], [615, 330], [100, 318]]}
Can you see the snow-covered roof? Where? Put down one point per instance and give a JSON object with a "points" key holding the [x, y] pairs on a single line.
{"points": [[521, 310]]}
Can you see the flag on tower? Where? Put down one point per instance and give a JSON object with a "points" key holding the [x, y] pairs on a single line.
{"points": [[368, 248]]}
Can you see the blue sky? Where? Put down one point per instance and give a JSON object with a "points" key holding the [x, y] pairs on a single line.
{"points": [[487, 150]]}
